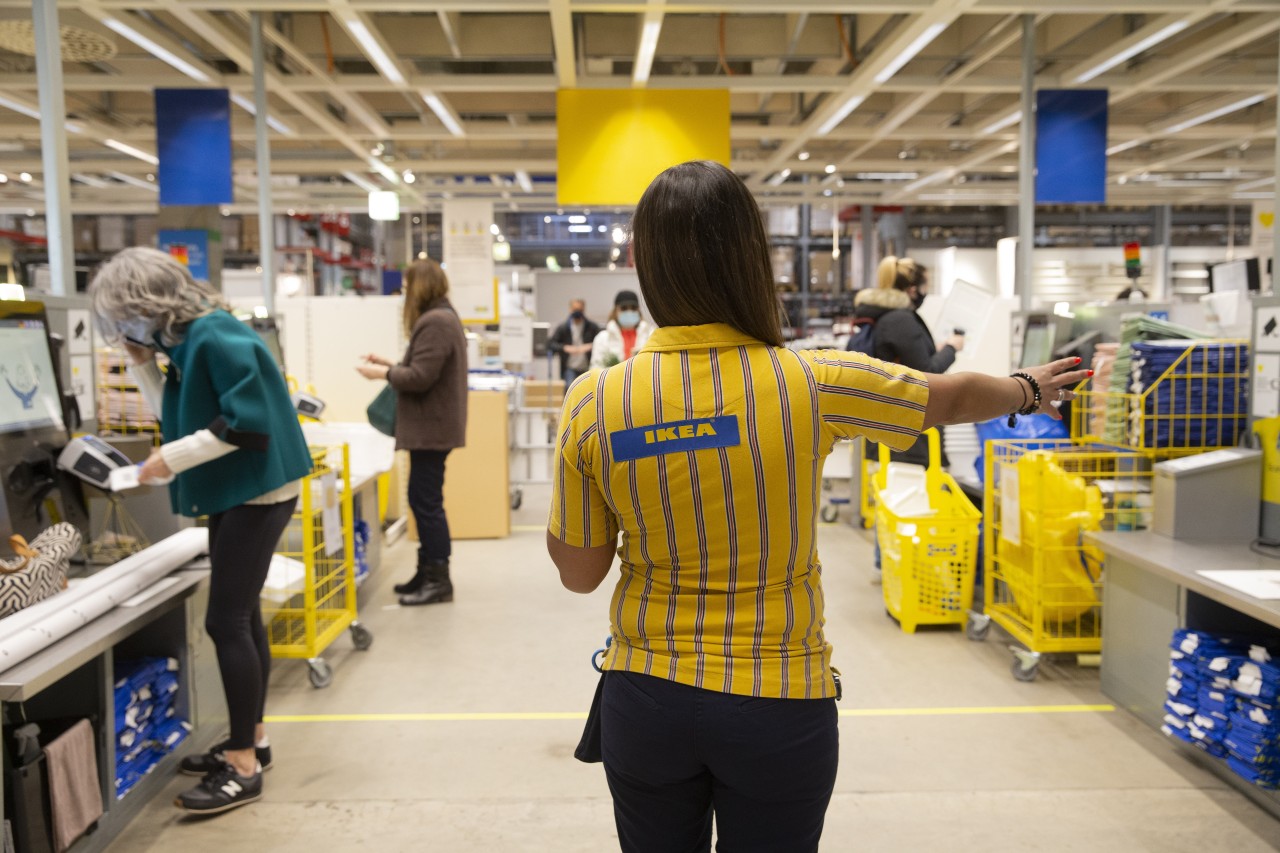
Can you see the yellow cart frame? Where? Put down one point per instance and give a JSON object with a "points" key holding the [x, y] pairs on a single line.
{"points": [[1041, 583], [326, 606]]}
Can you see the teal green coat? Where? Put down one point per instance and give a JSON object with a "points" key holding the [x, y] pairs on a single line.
{"points": [[223, 378]]}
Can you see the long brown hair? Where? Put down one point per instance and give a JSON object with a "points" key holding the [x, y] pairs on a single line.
{"points": [[702, 254], [424, 283]]}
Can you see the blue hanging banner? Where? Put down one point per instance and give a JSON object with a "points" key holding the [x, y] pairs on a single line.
{"points": [[1071, 146], [190, 246], [193, 140]]}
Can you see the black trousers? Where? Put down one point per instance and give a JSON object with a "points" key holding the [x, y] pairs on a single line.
{"points": [[241, 542], [426, 502], [676, 755]]}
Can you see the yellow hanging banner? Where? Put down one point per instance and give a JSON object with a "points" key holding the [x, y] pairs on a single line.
{"points": [[611, 143]]}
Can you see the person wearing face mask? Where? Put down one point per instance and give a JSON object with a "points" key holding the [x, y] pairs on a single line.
{"points": [[900, 335], [232, 451], [571, 342], [625, 332]]}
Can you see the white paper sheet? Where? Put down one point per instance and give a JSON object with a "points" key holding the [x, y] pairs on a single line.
{"points": [[1260, 583]]}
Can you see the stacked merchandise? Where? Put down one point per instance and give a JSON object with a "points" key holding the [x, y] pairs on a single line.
{"points": [[1224, 698], [1104, 359], [147, 725], [1199, 685], [121, 406], [1133, 330], [1254, 737], [1202, 403]]}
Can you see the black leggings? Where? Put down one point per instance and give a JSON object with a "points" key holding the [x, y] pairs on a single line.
{"points": [[426, 501], [241, 542]]}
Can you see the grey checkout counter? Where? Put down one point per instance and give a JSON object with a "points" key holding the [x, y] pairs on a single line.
{"points": [[1153, 586]]}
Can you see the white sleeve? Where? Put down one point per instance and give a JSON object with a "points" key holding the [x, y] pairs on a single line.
{"points": [[598, 349], [150, 382], [195, 449]]}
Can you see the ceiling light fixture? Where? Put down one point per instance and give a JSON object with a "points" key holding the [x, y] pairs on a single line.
{"points": [[272, 122], [385, 171], [19, 107], [1215, 113], [447, 116], [134, 181], [802, 156], [1133, 50], [362, 182], [25, 177], [409, 177], [131, 151], [830, 168], [373, 49], [1123, 146], [522, 178], [840, 114], [933, 31], [1001, 123], [648, 46], [161, 53], [90, 181], [780, 178]]}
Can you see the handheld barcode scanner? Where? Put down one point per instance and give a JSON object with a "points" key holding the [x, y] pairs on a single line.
{"points": [[307, 405], [92, 460]]}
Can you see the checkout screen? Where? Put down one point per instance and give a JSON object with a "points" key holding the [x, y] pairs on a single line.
{"points": [[28, 386]]}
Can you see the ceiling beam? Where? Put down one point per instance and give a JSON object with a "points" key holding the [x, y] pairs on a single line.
{"points": [[451, 24], [566, 57]]}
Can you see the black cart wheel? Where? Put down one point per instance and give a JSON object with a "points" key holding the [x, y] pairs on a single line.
{"points": [[1025, 673], [361, 637], [321, 674]]}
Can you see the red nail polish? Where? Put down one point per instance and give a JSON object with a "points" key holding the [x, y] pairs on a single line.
{"points": [[1090, 372], [1077, 359]]}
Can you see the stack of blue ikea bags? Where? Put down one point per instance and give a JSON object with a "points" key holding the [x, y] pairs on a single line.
{"points": [[1224, 698], [147, 724], [1203, 404], [1254, 738]]}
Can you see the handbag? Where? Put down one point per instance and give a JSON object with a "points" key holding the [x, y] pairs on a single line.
{"points": [[382, 411], [40, 569]]}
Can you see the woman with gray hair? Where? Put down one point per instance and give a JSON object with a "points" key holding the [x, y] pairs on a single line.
{"points": [[223, 398]]}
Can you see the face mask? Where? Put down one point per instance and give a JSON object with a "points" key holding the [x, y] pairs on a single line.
{"points": [[139, 331], [628, 319], [919, 299], [577, 315]]}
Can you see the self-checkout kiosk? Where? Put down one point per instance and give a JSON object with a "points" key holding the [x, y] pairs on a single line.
{"points": [[33, 427]]}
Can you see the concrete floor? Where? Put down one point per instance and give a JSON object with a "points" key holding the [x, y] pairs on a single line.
{"points": [[514, 642]]}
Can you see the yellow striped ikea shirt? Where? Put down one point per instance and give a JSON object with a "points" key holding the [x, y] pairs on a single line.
{"points": [[705, 451]]}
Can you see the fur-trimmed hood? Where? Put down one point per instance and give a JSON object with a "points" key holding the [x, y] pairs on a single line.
{"points": [[889, 298]]}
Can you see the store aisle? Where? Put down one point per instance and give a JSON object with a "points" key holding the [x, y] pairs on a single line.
{"points": [[509, 659]]}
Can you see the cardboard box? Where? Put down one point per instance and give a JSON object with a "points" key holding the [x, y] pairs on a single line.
{"points": [[145, 231], [85, 234], [541, 394]]}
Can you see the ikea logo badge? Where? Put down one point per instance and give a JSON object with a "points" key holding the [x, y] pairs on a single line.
{"points": [[677, 433], [679, 437]]}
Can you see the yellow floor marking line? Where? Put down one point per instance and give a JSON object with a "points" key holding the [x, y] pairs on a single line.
{"points": [[534, 716]]}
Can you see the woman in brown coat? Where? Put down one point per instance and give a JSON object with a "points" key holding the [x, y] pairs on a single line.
{"points": [[431, 418]]}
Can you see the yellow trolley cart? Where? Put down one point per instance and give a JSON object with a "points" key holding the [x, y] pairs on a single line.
{"points": [[304, 623], [927, 562], [1042, 584]]}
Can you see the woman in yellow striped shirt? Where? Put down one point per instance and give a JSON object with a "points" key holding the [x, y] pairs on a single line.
{"points": [[698, 463]]}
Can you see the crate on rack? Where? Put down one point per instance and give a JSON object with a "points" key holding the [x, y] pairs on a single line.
{"points": [[1180, 397], [1042, 584], [304, 619], [121, 407]]}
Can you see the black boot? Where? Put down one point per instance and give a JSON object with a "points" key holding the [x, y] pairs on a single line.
{"points": [[435, 588], [414, 583]]}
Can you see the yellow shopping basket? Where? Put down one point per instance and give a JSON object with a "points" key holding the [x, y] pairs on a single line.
{"points": [[927, 561]]}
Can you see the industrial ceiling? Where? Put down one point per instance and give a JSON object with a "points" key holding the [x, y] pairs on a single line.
{"points": [[891, 102]]}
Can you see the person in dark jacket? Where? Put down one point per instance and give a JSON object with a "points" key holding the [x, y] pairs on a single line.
{"points": [[431, 419], [232, 450], [899, 335], [572, 342]]}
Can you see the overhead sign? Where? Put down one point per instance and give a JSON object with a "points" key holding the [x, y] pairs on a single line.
{"points": [[611, 143], [468, 259]]}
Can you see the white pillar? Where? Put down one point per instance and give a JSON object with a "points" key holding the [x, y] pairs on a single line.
{"points": [[53, 143], [266, 223], [1027, 165]]}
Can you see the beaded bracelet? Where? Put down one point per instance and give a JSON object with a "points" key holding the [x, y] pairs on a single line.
{"points": [[1031, 408]]}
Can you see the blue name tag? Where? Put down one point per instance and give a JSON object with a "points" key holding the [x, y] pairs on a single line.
{"points": [[676, 437]]}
